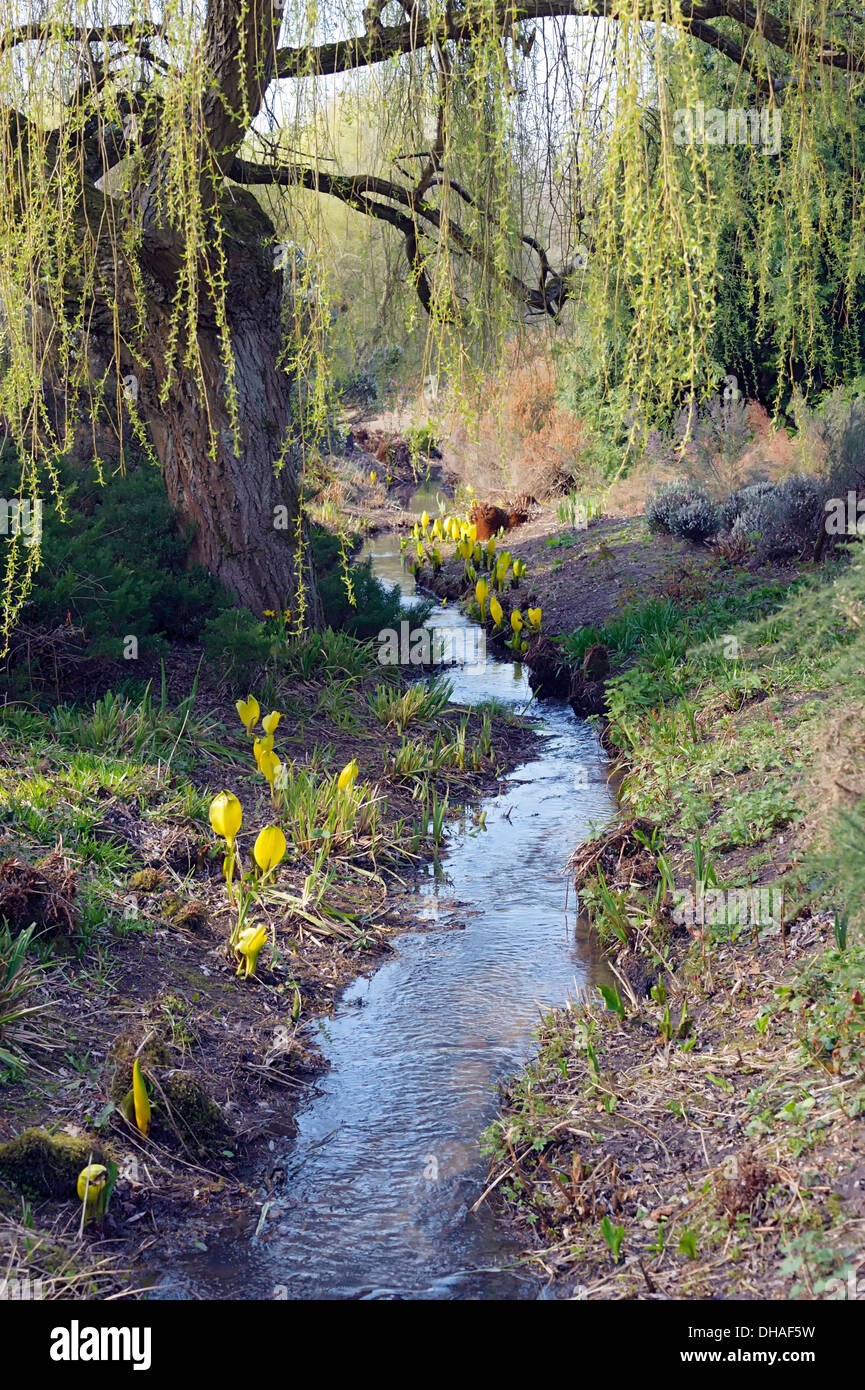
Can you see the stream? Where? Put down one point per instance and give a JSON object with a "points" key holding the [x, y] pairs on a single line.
{"points": [[372, 1198]]}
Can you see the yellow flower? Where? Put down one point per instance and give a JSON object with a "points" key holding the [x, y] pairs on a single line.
{"points": [[472, 532], [262, 745], [270, 721], [482, 588], [503, 563], [373, 475], [249, 712], [140, 1098], [269, 613], [269, 848], [269, 766], [535, 617], [226, 814], [249, 945], [348, 776], [92, 1186], [517, 620], [491, 547], [496, 611], [424, 520]]}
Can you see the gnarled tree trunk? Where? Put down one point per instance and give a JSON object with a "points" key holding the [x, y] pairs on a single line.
{"points": [[247, 519]]}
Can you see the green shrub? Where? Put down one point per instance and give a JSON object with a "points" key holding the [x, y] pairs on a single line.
{"points": [[236, 642], [118, 564], [375, 606]]}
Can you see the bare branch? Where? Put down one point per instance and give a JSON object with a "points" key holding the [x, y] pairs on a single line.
{"points": [[381, 43]]}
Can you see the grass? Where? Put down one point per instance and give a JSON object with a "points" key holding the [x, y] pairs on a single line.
{"points": [[421, 702], [682, 1131], [19, 977]]}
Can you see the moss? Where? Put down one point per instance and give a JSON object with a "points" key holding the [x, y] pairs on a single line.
{"points": [[178, 912], [40, 1164], [147, 881], [193, 1115], [155, 1053]]}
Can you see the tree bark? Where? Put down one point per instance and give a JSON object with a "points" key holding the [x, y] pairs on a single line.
{"points": [[249, 531]]}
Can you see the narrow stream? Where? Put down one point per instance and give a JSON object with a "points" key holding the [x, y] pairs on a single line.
{"points": [[374, 1194]]}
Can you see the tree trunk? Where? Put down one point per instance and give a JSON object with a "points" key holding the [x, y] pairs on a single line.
{"points": [[247, 517]]}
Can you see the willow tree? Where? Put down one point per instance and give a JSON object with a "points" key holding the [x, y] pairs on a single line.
{"points": [[150, 150]]}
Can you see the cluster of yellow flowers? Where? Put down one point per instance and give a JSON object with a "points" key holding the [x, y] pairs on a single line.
{"points": [[488, 568], [269, 850]]}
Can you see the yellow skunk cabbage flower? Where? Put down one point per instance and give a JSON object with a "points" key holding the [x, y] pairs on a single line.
{"points": [[269, 848], [140, 1098], [424, 520], [92, 1186], [491, 547], [517, 620], [249, 711], [472, 532], [249, 945], [437, 529], [373, 475], [534, 617], [262, 745], [503, 564], [519, 568], [482, 588], [226, 814], [269, 766], [270, 721], [348, 776], [454, 529], [496, 611]]}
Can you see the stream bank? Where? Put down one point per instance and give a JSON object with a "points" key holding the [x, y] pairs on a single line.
{"points": [[698, 1131], [374, 1196], [107, 848], [340, 1154]]}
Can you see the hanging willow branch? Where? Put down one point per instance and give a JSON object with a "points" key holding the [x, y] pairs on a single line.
{"points": [[496, 138]]}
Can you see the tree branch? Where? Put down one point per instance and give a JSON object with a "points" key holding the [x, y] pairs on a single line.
{"points": [[413, 217], [381, 43]]}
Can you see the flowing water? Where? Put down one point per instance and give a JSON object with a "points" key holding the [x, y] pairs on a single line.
{"points": [[374, 1193]]}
